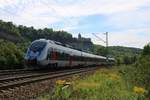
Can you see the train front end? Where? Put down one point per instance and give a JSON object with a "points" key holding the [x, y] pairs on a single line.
{"points": [[36, 52]]}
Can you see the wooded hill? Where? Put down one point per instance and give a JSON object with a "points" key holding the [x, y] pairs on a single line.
{"points": [[123, 55], [14, 33]]}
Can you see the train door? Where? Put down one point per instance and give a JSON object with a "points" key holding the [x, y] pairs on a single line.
{"points": [[70, 60], [54, 54]]}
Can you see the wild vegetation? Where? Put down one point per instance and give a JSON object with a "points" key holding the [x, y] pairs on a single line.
{"points": [[124, 82], [139, 73], [10, 54], [105, 84]]}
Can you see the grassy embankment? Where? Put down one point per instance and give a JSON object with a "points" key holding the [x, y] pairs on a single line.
{"points": [[130, 82], [105, 84]]}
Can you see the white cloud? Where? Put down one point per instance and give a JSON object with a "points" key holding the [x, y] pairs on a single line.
{"points": [[30, 14], [7, 2], [130, 19], [29, 9], [131, 16]]}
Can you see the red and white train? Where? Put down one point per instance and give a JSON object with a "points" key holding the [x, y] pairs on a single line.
{"points": [[51, 53]]}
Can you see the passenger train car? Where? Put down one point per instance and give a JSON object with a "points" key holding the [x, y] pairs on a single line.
{"points": [[51, 53]]}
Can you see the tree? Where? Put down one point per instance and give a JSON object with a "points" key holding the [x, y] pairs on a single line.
{"points": [[127, 60], [118, 62], [9, 28], [146, 50], [10, 55]]}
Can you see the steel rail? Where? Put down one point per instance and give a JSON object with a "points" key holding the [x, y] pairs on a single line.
{"points": [[28, 75], [40, 78]]}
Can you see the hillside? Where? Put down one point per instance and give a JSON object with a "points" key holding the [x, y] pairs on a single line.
{"points": [[123, 55], [116, 51], [120, 50], [11, 32], [10, 37]]}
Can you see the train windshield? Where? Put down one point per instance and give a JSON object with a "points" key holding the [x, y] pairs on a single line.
{"points": [[38, 46]]}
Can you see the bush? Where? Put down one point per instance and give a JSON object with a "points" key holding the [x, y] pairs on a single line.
{"points": [[10, 55], [105, 84], [146, 50], [142, 73], [138, 73]]}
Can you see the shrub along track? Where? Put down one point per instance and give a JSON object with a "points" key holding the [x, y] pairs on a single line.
{"points": [[8, 85]]}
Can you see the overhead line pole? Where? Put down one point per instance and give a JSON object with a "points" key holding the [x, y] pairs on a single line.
{"points": [[105, 41], [107, 47]]}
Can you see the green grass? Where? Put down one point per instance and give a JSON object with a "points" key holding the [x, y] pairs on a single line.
{"points": [[105, 84]]}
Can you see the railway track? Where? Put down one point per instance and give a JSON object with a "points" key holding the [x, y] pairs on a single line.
{"points": [[14, 72], [20, 72], [15, 81]]}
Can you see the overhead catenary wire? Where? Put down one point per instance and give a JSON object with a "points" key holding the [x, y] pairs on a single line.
{"points": [[99, 37]]}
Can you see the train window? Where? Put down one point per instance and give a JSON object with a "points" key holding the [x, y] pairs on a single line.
{"points": [[87, 59], [60, 54], [78, 58], [83, 58], [63, 56], [38, 46]]}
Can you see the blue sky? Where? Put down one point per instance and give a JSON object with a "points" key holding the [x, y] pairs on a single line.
{"points": [[127, 21]]}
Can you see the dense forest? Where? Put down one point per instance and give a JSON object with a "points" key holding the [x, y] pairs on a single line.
{"points": [[14, 41]]}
